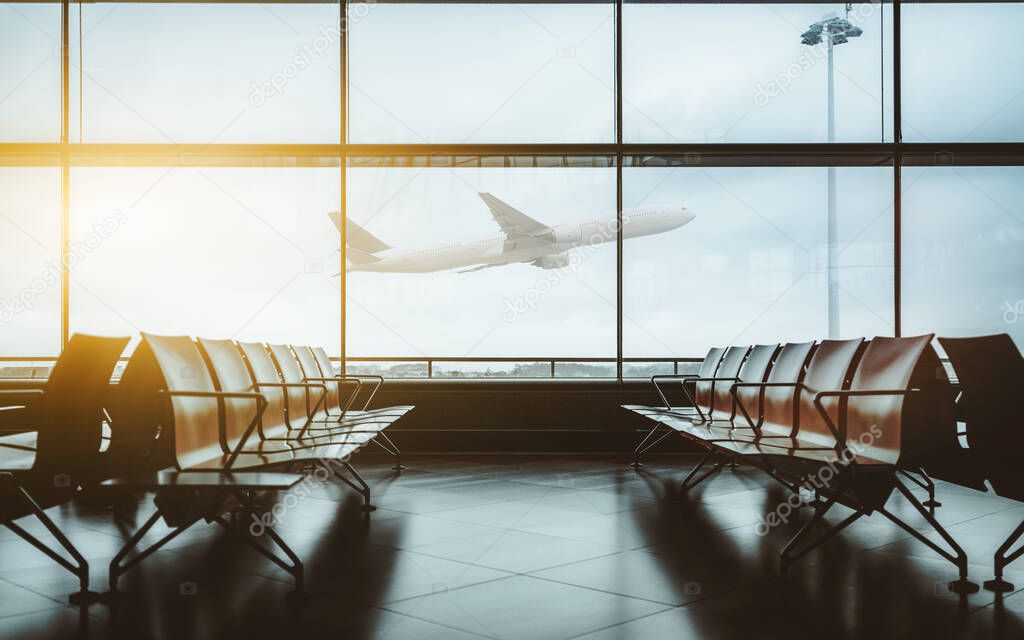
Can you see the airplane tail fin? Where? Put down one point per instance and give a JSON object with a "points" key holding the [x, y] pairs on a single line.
{"points": [[358, 238]]}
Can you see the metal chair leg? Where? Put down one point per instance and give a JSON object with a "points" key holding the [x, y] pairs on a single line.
{"points": [[296, 569], [958, 556], [118, 569], [1001, 560], [80, 568], [686, 485], [359, 485]]}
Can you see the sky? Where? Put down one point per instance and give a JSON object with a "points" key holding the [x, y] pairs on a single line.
{"points": [[249, 253]]}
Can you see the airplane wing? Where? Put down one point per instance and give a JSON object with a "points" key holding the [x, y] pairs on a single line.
{"points": [[513, 222]]}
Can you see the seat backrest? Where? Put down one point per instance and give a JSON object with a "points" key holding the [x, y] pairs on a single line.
{"points": [[703, 391], [990, 370], [754, 369], [779, 404], [729, 367], [829, 370], [231, 374], [310, 370], [136, 412], [194, 423], [295, 397], [263, 370], [874, 423], [69, 413], [327, 371]]}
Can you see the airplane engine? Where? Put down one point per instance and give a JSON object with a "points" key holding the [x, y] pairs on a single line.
{"points": [[552, 262]]}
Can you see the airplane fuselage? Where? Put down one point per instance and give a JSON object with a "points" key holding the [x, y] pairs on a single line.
{"points": [[545, 250]]}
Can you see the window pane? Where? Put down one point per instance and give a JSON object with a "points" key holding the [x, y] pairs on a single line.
{"points": [[961, 72], [204, 73], [30, 73], [963, 254], [459, 286], [740, 73], [30, 261], [751, 266], [248, 254], [481, 73]]}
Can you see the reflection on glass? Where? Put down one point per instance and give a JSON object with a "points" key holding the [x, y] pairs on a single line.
{"points": [[472, 262], [492, 370], [30, 73], [647, 369], [388, 369], [206, 73], [752, 265], [963, 252], [959, 87], [481, 73], [584, 369], [30, 254], [744, 73], [249, 254]]}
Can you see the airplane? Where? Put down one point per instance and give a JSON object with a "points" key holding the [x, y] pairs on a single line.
{"points": [[524, 240]]}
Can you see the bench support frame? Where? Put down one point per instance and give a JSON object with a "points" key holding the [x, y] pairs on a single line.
{"points": [[80, 567]]}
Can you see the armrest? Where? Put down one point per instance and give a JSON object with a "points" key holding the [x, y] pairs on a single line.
{"points": [[685, 378], [839, 433], [359, 377], [261, 407]]}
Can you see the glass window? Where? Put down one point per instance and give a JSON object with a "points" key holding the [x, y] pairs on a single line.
{"points": [[478, 262], [30, 73], [481, 73], [30, 261], [205, 73], [751, 265], [741, 73], [249, 254], [961, 72], [963, 251]]}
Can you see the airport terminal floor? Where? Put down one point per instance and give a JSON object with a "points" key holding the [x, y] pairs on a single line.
{"points": [[522, 547]]}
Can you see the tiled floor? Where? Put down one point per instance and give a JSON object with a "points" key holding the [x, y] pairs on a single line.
{"points": [[524, 548]]}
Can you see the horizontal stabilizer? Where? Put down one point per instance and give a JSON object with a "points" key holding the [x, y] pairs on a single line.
{"points": [[358, 237], [357, 256]]}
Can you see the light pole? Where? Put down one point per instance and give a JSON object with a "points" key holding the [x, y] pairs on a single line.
{"points": [[833, 31]]}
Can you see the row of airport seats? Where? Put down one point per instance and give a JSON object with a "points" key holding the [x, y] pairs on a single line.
{"points": [[210, 428], [851, 420]]}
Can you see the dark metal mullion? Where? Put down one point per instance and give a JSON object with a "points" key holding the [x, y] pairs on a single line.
{"points": [[619, 159], [343, 162], [65, 174], [897, 171]]}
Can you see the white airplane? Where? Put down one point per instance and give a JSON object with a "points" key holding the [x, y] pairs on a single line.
{"points": [[523, 240]]}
